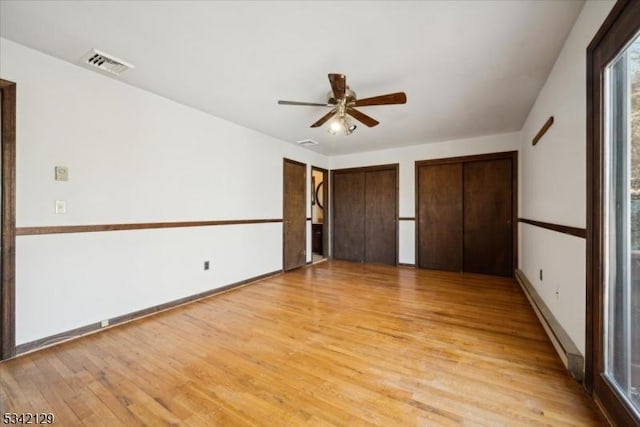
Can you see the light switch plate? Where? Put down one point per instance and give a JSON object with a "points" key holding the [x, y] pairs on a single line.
{"points": [[61, 207], [62, 173]]}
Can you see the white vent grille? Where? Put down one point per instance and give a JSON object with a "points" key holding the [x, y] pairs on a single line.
{"points": [[306, 142], [105, 62]]}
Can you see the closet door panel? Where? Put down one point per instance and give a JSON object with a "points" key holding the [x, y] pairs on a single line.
{"points": [[381, 197], [488, 232], [439, 217], [348, 216]]}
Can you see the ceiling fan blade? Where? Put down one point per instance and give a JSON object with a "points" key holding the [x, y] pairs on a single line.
{"points": [[311, 104], [324, 119], [338, 85], [361, 117], [392, 98]]}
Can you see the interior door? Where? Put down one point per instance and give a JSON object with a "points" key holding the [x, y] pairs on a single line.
{"points": [[488, 231], [294, 214], [348, 216], [439, 217], [381, 230]]}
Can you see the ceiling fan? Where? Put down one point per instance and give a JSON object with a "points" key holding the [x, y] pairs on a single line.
{"points": [[343, 102]]}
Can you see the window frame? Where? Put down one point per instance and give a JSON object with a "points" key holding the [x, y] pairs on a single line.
{"points": [[619, 28]]}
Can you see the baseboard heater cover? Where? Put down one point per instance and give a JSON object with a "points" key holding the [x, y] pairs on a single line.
{"points": [[571, 357]]}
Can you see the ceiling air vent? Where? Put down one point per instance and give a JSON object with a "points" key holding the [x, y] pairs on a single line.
{"points": [[307, 142], [105, 62]]}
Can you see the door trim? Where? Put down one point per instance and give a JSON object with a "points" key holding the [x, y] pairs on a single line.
{"points": [[617, 30], [326, 208], [7, 287], [512, 155]]}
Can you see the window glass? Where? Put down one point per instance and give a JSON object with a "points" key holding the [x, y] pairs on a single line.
{"points": [[622, 237]]}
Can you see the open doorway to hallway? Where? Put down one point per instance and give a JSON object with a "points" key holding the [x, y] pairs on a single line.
{"points": [[319, 214]]}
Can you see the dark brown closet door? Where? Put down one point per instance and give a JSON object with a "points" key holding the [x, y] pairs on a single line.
{"points": [[294, 215], [348, 216], [381, 217], [440, 217], [488, 235]]}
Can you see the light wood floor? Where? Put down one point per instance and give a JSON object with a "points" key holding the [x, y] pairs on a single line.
{"points": [[333, 344]]}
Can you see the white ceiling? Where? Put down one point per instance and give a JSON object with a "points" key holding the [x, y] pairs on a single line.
{"points": [[469, 68]]}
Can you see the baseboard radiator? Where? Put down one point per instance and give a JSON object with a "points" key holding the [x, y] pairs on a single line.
{"points": [[571, 357]]}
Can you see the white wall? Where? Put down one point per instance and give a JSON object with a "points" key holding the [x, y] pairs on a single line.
{"points": [[553, 179], [406, 158], [136, 157], [132, 157]]}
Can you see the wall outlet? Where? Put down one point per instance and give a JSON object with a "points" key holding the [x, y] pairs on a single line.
{"points": [[206, 265], [541, 275], [104, 323], [61, 207]]}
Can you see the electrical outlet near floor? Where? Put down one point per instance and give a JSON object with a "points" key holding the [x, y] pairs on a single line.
{"points": [[206, 265], [104, 323]]}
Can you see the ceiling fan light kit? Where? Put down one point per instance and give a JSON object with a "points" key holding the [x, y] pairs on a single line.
{"points": [[341, 123], [343, 100]]}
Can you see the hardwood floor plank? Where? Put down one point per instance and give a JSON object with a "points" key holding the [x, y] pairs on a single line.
{"points": [[337, 343]]}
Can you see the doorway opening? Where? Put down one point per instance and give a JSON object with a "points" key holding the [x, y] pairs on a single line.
{"points": [[319, 214]]}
